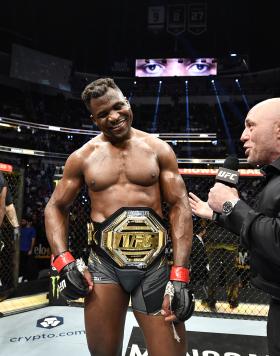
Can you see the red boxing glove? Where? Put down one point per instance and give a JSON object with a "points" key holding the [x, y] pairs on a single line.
{"points": [[72, 284], [183, 301]]}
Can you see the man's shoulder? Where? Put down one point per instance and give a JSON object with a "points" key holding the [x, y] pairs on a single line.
{"points": [[151, 139], [86, 149]]}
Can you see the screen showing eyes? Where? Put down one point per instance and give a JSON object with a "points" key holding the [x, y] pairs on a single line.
{"points": [[171, 67]]}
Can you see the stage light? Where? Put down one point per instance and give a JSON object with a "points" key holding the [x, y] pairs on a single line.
{"points": [[236, 80], [212, 81], [186, 81], [160, 82], [233, 55], [135, 83]]}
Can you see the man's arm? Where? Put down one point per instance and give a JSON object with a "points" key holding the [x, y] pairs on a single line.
{"points": [[2, 204], [12, 215], [257, 231], [180, 216], [75, 280], [57, 209]]}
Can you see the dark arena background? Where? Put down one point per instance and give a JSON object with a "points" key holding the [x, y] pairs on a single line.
{"points": [[49, 51]]}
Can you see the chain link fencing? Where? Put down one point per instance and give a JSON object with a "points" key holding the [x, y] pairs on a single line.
{"points": [[220, 270], [9, 248]]}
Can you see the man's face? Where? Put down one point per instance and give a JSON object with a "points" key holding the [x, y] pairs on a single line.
{"points": [[112, 114], [172, 67], [23, 222], [260, 136]]}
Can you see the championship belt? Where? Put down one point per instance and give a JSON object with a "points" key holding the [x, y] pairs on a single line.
{"points": [[132, 237]]}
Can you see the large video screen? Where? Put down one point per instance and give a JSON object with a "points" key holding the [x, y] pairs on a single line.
{"points": [[180, 67], [37, 67]]}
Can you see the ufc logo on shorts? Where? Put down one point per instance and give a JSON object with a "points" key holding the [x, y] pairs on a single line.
{"points": [[62, 285]]}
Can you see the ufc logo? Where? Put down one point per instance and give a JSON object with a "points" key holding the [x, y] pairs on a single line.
{"points": [[62, 285], [227, 175]]}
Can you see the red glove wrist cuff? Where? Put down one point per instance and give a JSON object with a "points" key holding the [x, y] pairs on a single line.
{"points": [[62, 260], [181, 274]]}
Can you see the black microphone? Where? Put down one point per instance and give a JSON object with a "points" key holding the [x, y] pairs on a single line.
{"points": [[228, 174]]}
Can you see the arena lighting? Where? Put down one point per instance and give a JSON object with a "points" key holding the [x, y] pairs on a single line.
{"points": [[244, 98], [15, 123], [187, 116], [212, 81], [135, 83], [188, 140], [155, 120], [6, 125], [233, 54], [231, 147]]}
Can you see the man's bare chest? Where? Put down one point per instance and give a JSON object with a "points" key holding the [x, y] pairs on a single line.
{"points": [[108, 168]]}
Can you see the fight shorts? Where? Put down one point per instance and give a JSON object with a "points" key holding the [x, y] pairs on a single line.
{"points": [[129, 250], [146, 287]]}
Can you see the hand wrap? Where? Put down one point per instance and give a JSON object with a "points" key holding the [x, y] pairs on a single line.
{"points": [[72, 284], [16, 233], [183, 300]]}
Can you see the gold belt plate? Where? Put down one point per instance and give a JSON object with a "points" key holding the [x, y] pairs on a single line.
{"points": [[134, 238]]}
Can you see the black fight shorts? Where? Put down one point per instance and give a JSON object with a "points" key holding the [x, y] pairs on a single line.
{"points": [[146, 287]]}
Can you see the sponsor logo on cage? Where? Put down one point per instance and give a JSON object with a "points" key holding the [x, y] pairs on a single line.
{"points": [[136, 351], [206, 344], [50, 322]]}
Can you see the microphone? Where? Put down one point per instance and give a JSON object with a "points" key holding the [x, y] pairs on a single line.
{"points": [[228, 174]]}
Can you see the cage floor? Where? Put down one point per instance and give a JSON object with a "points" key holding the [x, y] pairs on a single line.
{"points": [[60, 330]]}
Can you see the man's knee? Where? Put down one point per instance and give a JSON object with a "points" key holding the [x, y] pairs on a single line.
{"points": [[105, 350]]}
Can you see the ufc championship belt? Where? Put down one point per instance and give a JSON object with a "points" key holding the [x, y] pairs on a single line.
{"points": [[132, 237]]}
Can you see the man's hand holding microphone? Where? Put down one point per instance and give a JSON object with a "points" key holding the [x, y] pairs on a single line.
{"points": [[222, 196]]}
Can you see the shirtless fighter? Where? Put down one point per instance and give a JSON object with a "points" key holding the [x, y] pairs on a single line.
{"points": [[129, 173]]}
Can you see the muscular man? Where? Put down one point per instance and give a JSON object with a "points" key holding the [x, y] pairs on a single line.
{"points": [[258, 227], [125, 168]]}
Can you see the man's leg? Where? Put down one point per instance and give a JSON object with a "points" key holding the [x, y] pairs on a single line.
{"points": [[159, 335], [105, 311]]}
